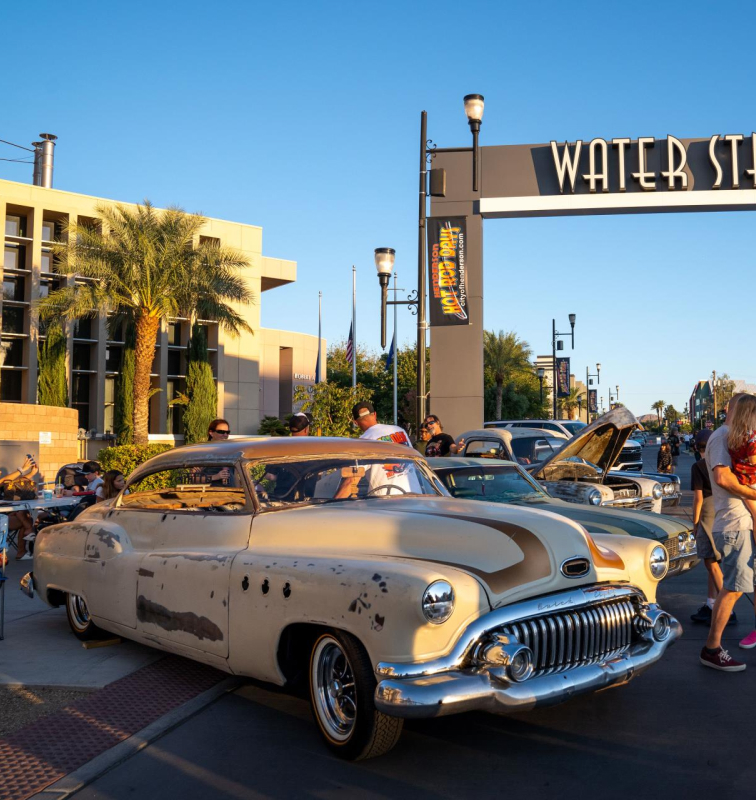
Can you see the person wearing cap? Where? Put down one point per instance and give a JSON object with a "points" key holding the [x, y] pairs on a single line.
{"points": [[703, 517], [92, 470], [366, 420], [299, 424]]}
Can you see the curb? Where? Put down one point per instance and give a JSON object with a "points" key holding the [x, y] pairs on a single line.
{"points": [[77, 780]]}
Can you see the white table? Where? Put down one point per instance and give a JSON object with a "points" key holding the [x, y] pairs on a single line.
{"points": [[34, 507]]}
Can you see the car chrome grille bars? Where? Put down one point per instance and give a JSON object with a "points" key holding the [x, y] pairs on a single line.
{"points": [[570, 638]]}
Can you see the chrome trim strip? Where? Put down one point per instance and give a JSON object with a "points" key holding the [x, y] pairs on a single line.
{"points": [[578, 598]]}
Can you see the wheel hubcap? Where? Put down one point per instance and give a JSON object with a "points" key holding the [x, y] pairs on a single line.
{"points": [[335, 698], [80, 611]]}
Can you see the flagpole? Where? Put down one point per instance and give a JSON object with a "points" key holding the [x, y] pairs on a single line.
{"points": [[354, 326], [395, 350], [320, 327]]}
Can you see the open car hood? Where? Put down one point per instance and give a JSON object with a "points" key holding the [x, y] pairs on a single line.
{"points": [[600, 443]]}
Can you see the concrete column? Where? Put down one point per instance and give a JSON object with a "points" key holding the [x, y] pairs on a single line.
{"points": [[456, 382], [33, 262], [97, 392]]}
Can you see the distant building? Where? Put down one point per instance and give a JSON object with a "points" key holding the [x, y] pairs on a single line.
{"points": [[702, 399]]}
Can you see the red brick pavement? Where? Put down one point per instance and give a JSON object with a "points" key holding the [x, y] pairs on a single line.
{"points": [[58, 744]]}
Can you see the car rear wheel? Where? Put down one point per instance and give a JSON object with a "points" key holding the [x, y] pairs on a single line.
{"points": [[79, 619], [342, 685]]}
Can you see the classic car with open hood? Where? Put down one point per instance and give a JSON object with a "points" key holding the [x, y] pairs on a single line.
{"points": [[346, 565], [581, 470], [495, 481]]}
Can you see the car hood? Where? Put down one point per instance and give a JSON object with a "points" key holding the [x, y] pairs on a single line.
{"points": [[596, 519], [514, 552], [600, 443]]}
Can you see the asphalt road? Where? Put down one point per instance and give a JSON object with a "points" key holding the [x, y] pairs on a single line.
{"points": [[678, 731]]}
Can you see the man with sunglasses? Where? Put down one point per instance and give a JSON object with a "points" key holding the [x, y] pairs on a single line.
{"points": [[440, 443]]}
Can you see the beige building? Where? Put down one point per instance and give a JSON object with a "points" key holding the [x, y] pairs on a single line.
{"points": [[255, 372]]}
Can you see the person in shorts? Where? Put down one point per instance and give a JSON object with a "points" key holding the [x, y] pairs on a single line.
{"points": [[733, 538]]}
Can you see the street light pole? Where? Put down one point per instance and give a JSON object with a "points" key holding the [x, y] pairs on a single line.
{"points": [[588, 384], [422, 324], [554, 335], [541, 372]]}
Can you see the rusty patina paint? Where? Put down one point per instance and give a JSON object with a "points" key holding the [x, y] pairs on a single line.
{"points": [[185, 621]]}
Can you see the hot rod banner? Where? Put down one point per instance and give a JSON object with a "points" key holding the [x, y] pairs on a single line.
{"points": [[593, 401], [447, 276], [563, 377]]}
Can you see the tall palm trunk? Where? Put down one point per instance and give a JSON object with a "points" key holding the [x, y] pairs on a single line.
{"points": [[499, 392], [144, 353]]}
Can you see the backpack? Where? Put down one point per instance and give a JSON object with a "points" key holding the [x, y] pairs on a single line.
{"points": [[19, 489]]}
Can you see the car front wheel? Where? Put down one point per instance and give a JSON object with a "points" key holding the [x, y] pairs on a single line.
{"points": [[79, 619], [342, 685]]}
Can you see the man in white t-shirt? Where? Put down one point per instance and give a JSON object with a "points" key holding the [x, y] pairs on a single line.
{"points": [[381, 477]]}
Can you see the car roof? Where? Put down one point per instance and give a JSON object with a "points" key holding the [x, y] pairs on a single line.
{"points": [[447, 462], [275, 447]]}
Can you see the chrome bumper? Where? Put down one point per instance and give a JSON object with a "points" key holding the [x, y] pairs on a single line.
{"points": [[27, 584], [681, 564], [490, 690]]}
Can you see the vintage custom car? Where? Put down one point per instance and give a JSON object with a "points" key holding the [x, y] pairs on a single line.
{"points": [[347, 566], [581, 471], [497, 481]]}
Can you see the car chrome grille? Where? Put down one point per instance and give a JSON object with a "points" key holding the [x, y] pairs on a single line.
{"points": [[672, 547], [570, 638], [645, 504]]}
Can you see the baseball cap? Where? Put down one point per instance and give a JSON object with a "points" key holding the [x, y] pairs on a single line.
{"points": [[702, 437], [362, 409], [298, 422]]}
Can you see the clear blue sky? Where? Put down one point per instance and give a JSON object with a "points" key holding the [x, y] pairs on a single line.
{"points": [[304, 118]]}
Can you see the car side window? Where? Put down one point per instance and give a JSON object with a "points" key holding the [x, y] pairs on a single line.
{"points": [[213, 488], [481, 448]]}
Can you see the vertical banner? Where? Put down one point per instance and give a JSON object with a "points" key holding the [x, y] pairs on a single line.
{"points": [[593, 401], [563, 377], [447, 275]]}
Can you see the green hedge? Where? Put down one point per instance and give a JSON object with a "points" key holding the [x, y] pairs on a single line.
{"points": [[127, 457]]}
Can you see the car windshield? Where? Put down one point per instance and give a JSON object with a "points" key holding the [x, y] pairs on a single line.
{"points": [[574, 427], [497, 484], [313, 481]]}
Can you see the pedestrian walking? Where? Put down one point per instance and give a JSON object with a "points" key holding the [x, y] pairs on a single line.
{"points": [[703, 519], [674, 446], [733, 537], [664, 459]]}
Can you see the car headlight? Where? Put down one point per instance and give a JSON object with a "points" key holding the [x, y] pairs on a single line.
{"points": [[669, 488], [658, 562], [438, 602], [594, 498], [656, 491]]}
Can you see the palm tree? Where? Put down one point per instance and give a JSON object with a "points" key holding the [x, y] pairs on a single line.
{"points": [[504, 355], [658, 406], [567, 405], [148, 265]]}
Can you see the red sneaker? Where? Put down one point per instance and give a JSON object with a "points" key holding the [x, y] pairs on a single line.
{"points": [[720, 659]]}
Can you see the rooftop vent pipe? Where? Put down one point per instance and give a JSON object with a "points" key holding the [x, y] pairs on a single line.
{"points": [[43, 160]]}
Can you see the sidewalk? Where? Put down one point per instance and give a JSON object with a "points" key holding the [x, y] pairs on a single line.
{"points": [[71, 711]]}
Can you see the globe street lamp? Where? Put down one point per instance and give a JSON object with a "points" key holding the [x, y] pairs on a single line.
{"points": [[558, 344], [588, 383]]}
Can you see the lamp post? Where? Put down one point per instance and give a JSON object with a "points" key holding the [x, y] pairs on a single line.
{"points": [[474, 105], [616, 396], [541, 372], [558, 344], [588, 383]]}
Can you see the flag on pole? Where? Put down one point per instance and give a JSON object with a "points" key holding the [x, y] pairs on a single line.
{"points": [[390, 359], [317, 366], [350, 347]]}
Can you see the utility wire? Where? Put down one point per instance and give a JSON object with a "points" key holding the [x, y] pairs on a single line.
{"points": [[20, 147], [17, 160]]}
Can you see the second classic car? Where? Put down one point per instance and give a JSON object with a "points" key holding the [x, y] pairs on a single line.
{"points": [[345, 565]]}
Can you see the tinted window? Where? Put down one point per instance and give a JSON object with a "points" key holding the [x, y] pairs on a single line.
{"points": [[574, 427], [497, 484]]}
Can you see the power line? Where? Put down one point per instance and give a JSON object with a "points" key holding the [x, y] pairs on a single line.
{"points": [[20, 147], [18, 160]]}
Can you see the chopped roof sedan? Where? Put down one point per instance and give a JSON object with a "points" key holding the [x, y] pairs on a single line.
{"points": [[347, 564]]}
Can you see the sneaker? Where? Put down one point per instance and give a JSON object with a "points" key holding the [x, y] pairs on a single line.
{"points": [[720, 659], [25, 557], [703, 615], [749, 642]]}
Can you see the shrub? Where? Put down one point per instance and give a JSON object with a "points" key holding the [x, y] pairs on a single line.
{"points": [[272, 426], [127, 457], [202, 396], [124, 398], [53, 385]]}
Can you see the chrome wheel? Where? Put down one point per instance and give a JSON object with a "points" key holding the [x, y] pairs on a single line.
{"points": [[79, 613], [334, 694]]}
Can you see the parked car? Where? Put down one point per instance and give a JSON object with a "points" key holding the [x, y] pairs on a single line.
{"points": [[346, 563], [497, 481], [566, 427], [577, 480], [630, 458]]}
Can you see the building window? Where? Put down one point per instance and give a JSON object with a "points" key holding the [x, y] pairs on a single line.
{"points": [[13, 287], [81, 356], [15, 257], [47, 261], [10, 386], [81, 399], [48, 231], [113, 358], [15, 225], [14, 352], [109, 405], [13, 319], [176, 412], [174, 333], [46, 286], [174, 362], [82, 329]]}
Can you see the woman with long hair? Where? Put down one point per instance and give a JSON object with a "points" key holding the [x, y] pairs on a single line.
{"points": [[664, 459], [112, 483], [741, 442]]}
